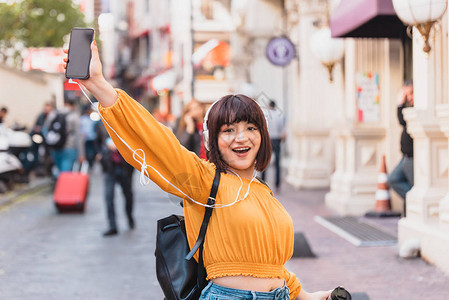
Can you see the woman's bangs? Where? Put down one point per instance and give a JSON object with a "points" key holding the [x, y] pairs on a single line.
{"points": [[236, 110]]}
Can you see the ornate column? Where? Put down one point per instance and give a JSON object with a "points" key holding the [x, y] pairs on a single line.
{"points": [[426, 199], [427, 204], [430, 173], [314, 113], [443, 117], [354, 182], [361, 142]]}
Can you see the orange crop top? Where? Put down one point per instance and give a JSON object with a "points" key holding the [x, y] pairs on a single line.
{"points": [[253, 237]]}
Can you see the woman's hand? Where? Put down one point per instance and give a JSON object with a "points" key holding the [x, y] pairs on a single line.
{"points": [[96, 83], [401, 97], [190, 123], [321, 295]]}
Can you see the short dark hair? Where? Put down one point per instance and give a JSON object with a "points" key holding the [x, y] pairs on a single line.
{"points": [[4, 109], [231, 109]]}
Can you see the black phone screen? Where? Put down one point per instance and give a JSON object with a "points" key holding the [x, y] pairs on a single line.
{"points": [[79, 53]]}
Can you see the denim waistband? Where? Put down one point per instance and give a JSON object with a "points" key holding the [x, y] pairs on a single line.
{"points": [[215, 291]]}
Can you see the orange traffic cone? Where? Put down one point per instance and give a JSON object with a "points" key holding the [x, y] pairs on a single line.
{"points": [[383, 202]]}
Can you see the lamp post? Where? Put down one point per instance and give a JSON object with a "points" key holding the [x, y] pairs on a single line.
{"points": [[327, 49], [422, 14]]}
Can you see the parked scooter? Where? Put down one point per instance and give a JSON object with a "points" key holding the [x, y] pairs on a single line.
{"points": [[10, 166], [22, 146], [12, 144]]}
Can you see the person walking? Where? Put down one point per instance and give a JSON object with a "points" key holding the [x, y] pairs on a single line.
{"points": [[89, 134], [41, 153], [250, 234], [189, 129], [73, 147], [276, 129], [401, 179], [116, 171], [3, 113]]}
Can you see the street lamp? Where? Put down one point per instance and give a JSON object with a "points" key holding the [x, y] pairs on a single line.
{"points": [[422, 14], [327, 49]]}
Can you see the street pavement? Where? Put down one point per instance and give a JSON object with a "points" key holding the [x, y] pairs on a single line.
{"points": [[47, 255]]}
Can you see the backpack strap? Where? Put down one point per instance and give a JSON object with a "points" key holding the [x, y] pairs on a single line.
{"points": [[208, 211], [201, 279]]}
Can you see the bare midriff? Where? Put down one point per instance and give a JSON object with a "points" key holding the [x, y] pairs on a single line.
{"points": [[249, 283]]}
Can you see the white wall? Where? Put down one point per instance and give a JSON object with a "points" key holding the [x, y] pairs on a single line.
{"points": [[24, 94]]}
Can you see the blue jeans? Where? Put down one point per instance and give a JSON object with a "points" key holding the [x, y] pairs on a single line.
{"points": [[217, 292], [64, 159], [401, 178], [276, 146], [91, 152]]}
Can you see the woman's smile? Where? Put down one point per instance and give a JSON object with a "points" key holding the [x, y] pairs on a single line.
{"points": [[241, 151], [239, 144]]}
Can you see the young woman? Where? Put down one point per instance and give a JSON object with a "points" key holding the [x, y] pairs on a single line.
{"points": [[189, 129], [250, 234]]}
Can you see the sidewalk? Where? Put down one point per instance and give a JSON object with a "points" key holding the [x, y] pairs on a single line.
{"points": [[23, 189], [376, 271]]}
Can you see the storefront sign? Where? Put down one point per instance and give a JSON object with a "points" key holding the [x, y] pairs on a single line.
{"points": [[280, 51], [368, 97], [44, 59]]}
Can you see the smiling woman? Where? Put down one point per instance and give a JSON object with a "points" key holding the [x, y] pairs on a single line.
{"points": [[250, 235], [236, 121]]}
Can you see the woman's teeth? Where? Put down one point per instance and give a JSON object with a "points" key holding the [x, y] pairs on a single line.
{"points": [[241, 150]]}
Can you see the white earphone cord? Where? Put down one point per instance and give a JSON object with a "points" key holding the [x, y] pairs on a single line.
{"points": [[144, 172]]}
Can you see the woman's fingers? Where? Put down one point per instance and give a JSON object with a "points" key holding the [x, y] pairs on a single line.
{"points": [[66, 59]]}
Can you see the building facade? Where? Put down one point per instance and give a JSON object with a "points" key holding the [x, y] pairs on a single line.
{"points": [[338, 130]]}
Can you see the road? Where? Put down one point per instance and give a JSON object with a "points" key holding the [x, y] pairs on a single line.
{"points": [[47, 255]]}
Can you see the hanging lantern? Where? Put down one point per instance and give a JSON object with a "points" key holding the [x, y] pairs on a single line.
{"points": [[327, 49], [422, 14]]}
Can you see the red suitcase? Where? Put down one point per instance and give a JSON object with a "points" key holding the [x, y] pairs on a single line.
{"points": [[71, 190]]}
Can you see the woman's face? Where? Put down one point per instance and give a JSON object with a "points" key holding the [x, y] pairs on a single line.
{"points": [[196, 111], [239, 144]]}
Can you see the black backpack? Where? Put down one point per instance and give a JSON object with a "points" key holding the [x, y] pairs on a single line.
{"points": [[178, 273], [56, 135]]}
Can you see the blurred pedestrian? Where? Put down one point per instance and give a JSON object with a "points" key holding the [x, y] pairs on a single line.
{"points": [[276, 129], [41, 154], [89, 134], [116, 171], [3, 113], [189, 129], [401, 179], [64, 156]]}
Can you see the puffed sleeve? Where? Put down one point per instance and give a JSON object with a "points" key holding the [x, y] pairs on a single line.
{"points": [[293, 283], [157, 145]]}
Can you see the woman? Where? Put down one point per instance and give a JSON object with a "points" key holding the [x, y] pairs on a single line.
{"points": [[250, 237], [189, 129]]}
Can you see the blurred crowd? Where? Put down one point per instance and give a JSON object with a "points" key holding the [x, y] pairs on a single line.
{"points": [[74, 133]]}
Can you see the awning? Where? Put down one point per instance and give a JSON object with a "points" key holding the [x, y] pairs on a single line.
{"points": [[366, 19], [164, 81], [213, 52]]}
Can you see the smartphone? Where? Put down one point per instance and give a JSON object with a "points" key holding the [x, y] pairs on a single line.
{"points": [[79, 53]]}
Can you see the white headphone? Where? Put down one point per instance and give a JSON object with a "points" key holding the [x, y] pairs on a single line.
{"points": [[205, 129]]}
